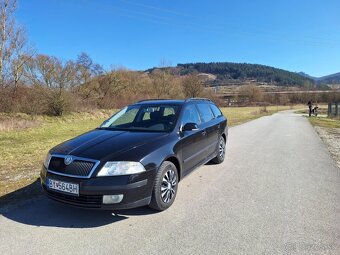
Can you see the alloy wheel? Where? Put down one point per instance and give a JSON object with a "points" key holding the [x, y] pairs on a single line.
{"points": [[168, 187], [221, 148]]}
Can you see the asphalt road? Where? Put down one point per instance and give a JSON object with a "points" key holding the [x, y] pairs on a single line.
{"points": [[278, 192]]}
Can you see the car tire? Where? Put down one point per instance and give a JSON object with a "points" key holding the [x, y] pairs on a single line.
{"points": [[165, 187], [220, 152]]}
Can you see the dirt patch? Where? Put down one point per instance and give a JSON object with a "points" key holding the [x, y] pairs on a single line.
{"points": [[331, 137]]}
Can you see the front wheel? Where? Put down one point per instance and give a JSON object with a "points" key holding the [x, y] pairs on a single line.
{"points": [[220, 152], [165, 187]]}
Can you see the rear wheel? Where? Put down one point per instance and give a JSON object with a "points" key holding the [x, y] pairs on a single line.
{"points": [[220, 152], [165, 187]]}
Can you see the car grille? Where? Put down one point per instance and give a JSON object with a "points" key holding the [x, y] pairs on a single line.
{"points": [[76, 168], [89, 201]]}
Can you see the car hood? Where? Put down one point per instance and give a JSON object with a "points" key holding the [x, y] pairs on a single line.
{"points": [[100, 144]]}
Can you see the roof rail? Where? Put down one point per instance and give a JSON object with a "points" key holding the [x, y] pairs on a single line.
{"points": [[152, 99], [186, 100], [197, 98]]}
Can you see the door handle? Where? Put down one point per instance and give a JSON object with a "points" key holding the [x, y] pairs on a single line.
{"points": [[204, 132]]}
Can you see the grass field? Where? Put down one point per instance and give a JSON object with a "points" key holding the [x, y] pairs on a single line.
{"points": [[239, 115], [325, 122], [24, 146]]}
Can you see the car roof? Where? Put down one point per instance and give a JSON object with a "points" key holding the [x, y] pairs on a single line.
{"points": [[171, 101], [160, 101]]}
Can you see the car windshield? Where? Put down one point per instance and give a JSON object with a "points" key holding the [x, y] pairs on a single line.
{"points": [[149, 118]]}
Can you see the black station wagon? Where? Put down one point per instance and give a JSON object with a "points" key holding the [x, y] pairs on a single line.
{"points": [[136, 157]]}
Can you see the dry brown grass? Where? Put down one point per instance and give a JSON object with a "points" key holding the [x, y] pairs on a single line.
{"points": [[14, 123]]}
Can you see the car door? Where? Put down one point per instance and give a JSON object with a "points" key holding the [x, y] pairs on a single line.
{"points": [[210, 125], [192, 142]]}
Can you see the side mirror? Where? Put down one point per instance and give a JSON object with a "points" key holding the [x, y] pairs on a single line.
{"points": [[190, 127]]}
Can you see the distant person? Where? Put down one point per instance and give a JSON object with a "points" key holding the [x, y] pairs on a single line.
{"points": [[310, 107]]}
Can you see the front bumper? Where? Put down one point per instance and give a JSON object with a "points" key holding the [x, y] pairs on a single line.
{"points": [[136, 189]]}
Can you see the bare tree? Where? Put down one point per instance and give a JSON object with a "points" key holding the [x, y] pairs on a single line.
{"points": [[161, 82], [21, 54], [14, 50], [41, 71], [87, 68], [192, 85], [54, 77], [162, 79], [250, 92], [112, 83]]}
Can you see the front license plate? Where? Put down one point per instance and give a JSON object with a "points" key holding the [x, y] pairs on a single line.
{"points": [[66, 187]]}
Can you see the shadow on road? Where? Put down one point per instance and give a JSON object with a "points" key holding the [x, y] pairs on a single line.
{"points": [[29, 206]]}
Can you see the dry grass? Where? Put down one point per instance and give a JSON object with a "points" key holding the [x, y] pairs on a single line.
{"points": [[238, 115], [325, 122], [17, 122]]}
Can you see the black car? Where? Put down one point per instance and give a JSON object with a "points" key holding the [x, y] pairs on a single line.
{"points": [[136, 157]]}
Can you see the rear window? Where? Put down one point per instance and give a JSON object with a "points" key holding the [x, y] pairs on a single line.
{"points": [[205, 112], [217, 112]]}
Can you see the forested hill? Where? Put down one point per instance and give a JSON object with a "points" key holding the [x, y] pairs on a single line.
{"points": [[225, 71], [329, 79]]}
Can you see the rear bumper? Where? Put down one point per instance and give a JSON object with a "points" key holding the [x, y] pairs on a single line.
{"points": [[136, 190]]}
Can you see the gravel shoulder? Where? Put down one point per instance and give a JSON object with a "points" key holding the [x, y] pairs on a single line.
{"points": [[331, 137]]}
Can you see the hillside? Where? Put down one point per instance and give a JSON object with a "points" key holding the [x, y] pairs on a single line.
{"points": [[324, 80], [329, 79], [226, 73], [307, 75]]}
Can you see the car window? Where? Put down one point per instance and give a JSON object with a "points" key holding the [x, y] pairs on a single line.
{"points": [[168, 111], [205, 112], [215, 110], [190, 115], [144, 118], [146, 113], [126, 118]]}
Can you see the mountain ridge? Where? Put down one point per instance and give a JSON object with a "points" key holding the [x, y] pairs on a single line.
{"points": [[326, 79], [229, 73]]}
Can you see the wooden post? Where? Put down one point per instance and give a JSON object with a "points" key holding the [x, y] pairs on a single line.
{"points": [[329, 109]]}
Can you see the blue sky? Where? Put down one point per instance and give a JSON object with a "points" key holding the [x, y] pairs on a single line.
{"points": [[300, 35]]}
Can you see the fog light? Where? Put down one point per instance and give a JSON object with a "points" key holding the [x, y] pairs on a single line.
{"points": [[112, 199]]}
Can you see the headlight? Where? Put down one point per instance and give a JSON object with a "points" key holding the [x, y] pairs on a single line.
{"points": [[114, 168], [47, 160]]}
